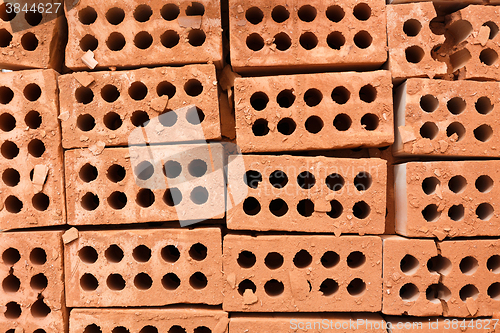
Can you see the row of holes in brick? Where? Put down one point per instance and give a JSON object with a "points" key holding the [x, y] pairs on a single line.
{"points": [[38, 310], [9, 149], [39, 201], [308, 13], [11, 283], [33, 120], [93, 328], [412, 28], [456, 105], [430, 130], [439, 292], [309, 41], [415, 54], [457, 184], [29, 42], [31, 92], [12, 178], [33, 18], [432, 212]]}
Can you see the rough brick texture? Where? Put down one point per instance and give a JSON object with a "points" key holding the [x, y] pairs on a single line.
{"points": [[31, 160], [432, 324], [436, 117], [31, 39], [192, 320], [108, 106], [144, 268], [454, 199], [450, 278], [31, 271], [314, 111], [302, 273], [280, 35], [315, 323], [311, 194], [131, 34]]}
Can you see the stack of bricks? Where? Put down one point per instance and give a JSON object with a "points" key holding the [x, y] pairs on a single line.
{"points": [[226, 166]]}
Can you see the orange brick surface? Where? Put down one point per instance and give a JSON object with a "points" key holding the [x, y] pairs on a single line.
{"points": [[302, 273], [144, 268], [31, 160]]}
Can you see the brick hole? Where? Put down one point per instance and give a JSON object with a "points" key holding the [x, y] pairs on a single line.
{"points": [[198, 252], [84, 95], [12, 311], [120, 329], [251, 206], [169, 39], [11, 284], [40, 201], [280, 14], [362, 12], [335, 13], [460, 31], [484, 105], [278, 207], [494, 291], [259, 101], [138, 91], [246, 284], [493, 264], [363, 181], [115, 41], [13, 204], [172, 169], [459, 59], [457, 184], [198, 280], [484, 184], [273, 260], [170, 281], [115, 282], [260, 127], [414, 54], [429, 103], [11, 177], [168, 118], [429, 130], [142, 13], [246, 259], [469, 265], [484, 211], [195, 9], [254, 15], [307, 13], [483, 133], [4, 15], [39, 282], [335, 40], [139, 118], [330, 259], [88, 282], [90, 201], [254, 42], [456, 105], [274, 288], [493, 29], [32, 92], [361, 210], [363, 39], [302, 259], [36, 148], [314, 124], [202, 329], [117, 200], [437, 25], [329, 287], [11, 256], [468, 291], [143, 40], [409, 264], [370, 122], [342, 122], [170, 253], [143, 281], [115, 15], [149, 329], [172, 197], [252, 178], [88, 173], [112, 121], [113, 253], [193, 87], [305, 207], [286, 126], [141, 253], [39, 309], [144, 170], [456, 212], [89, 42], [285, 98], [29, 42], [38, 256], [196, 37], [430, 184], [110, 93], [115, 173], [6, 94], [312, 97], [336, 209], [368, 93], [87, 15], [199, 195], [306, 180], [335, 182], [170, 12], [33, 18], [431, 213], [176, 329], [5, 38], [282, 41], [439, 265], [356, 287], [308, 40], [409, 292], [356, 259], [412, 27], [195, 116]]}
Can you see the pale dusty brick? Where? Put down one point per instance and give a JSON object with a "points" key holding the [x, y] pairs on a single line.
{"points": [[302, 273], [31, 271], [30, 139], [281, 35], [436, 117], [450, 278], [311, 194], [108, 106], [144, 268], [433, 324], [132, 33], [314, 111], [128, 185], [454, 199]]}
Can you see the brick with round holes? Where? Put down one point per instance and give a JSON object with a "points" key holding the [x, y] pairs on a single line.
{"points": [[145, 184], [445, 118], [449, 278], [30, 139], [310, 194], [113, 104], [279, 36], [302, 273], [314, 111], [144, 268], [447, 199], [31, 271], [133, 33]]}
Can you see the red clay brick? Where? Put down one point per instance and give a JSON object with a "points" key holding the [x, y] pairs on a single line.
{"points": [[436, 117], [314, 111], [31, 271], [32, 39], [311, 194], [432, 324], [30, 138], [302, 273], [126, 34], [144, 268], [113, 104], [450, 278], [454, 199], [283, 35], [122, 185]]}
